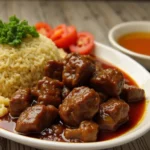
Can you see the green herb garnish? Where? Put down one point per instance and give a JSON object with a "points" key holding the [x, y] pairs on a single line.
{"points": [[15, 31]]}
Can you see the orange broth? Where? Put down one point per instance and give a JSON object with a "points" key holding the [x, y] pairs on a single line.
{"points": [[138, 42]]}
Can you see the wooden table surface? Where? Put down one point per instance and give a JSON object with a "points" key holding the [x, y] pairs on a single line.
{"points": [[97, 17]]}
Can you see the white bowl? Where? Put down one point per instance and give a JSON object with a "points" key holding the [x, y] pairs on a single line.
{"points": [[129, 27], [131, 67]]}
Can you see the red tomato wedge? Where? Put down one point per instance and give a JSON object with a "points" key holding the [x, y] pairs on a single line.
{"points": [[44, 29], [63, 36], [84, 43]]}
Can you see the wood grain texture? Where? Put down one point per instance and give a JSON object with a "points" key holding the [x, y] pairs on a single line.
{"points": [[97, 17]]}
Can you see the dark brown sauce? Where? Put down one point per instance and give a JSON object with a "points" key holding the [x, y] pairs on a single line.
{"points": [[135, 115]]}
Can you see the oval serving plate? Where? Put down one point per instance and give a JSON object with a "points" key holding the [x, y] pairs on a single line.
{"points": [[128, 65]]}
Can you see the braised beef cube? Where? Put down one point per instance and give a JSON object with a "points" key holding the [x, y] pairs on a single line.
{"points": [[87, 132], [53, 69], [77, 70], [65, 91], [98, 67], [20, 100], [36, 119], [82, 103], [52, 114], [57, 129], [132, 94], [48, 91], [93, 60], [112, 114], [109, 81]]}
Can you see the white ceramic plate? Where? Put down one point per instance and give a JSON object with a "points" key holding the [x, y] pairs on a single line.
{"points": [[137, 72]]}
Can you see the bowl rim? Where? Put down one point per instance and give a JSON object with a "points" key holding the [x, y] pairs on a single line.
{"points": [[121, 48], [38, 143]]}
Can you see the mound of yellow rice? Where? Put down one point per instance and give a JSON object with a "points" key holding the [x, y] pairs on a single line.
{"points": [[22, 66]]}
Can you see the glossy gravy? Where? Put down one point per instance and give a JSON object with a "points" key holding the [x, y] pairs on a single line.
{"points": [[138, 42], [135, 115]]}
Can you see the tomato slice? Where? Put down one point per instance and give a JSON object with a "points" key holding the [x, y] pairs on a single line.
{"points": [[44, 29], [63, 36], [84, 44]]}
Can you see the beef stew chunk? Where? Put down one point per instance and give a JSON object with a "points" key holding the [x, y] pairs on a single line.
{"points": [[109, 81], [53, 69], [87, 132], [98, 67], [112, 114], [82, 103], [58, 129], [36, 118], [20, 100], [132, 94], [65, 91], [48, 91], [77, 70]]}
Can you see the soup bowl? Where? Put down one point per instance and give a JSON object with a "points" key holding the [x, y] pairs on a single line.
{"points": [[126, 28], [138, 73]]}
